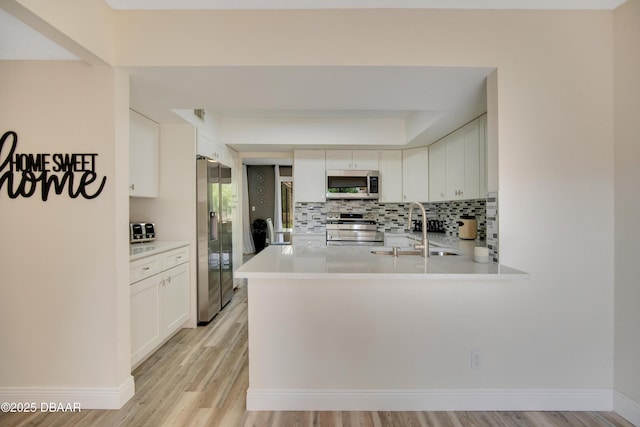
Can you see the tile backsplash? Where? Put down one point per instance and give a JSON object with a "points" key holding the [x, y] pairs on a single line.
{"points": [[311, 217], [492, 225]]}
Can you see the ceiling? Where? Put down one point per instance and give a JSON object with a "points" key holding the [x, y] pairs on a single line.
{"points": [[438, 99], [364, 4], [430, 101]]}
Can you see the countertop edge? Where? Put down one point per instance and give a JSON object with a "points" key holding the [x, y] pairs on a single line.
{"points": [[385, 276], [154, 248]]}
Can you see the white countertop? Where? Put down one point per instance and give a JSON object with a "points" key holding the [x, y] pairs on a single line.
{"points": [[142, 250], [357, 262]]}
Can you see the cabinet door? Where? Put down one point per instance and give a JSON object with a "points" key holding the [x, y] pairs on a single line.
{"points": [[309, 176], [144, 156], [455, 165], [174, 299], [339, 159], [437, 171], [347, 159], [145, 317], [415, 175], [391, 176], [366, 160], [471, 188]]}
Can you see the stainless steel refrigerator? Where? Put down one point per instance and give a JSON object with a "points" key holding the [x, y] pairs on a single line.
{"points": [[214, 249]]}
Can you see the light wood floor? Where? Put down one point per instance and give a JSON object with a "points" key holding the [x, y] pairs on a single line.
{"points": [[200, 378]]}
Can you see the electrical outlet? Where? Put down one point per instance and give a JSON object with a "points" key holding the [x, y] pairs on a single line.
{"points": [[476, 361]]}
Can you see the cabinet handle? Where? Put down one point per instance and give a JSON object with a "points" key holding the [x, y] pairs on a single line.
{"points": [[132, 187], [146, 268], [169, 279]]}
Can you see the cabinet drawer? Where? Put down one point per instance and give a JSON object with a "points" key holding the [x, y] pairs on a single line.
{"points": [[143, 268], [175, 257]]}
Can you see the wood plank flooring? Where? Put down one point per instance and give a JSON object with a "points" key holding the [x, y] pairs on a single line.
{"points": [[200, 378]]}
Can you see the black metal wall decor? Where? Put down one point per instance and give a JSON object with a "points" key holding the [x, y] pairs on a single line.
{"points": [[24, 175]]}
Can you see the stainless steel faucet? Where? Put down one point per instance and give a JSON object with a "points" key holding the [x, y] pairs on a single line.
{"points": [[424, 246]]}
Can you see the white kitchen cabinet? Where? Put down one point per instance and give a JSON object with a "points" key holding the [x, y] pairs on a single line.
{"points": [[145, 317], [391, 176], [144, 156], [463, 163], [437, 171], [174, 299], [205, 146], [309, 176], [159, 302], [415, 175], [457, 164], [356, 159]]}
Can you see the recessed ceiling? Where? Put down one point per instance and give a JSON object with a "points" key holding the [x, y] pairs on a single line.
{"points": [[437, 98]]}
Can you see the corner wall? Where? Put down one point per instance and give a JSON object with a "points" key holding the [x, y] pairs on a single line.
{"points": [[64, 293], [627, 209]]}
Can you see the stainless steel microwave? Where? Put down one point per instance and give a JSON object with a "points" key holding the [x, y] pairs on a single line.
{"points": [[353, 184]]}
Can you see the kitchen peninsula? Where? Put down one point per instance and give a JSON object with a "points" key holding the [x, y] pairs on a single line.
{"points": [[341, 328]]}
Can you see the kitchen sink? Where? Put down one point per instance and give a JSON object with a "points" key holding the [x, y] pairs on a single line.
{"points": [[441, 252], [400, 252]]}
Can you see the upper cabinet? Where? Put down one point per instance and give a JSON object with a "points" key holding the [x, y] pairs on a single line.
{"points": [[457, 164], [309, 176], [463, 163], [357, 159], [453, 168], [206, 147], [391, 176], [144, 156], [415, 175], [437, 171]]}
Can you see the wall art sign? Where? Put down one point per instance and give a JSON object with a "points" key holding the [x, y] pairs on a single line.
{"points": [[27, 175]]}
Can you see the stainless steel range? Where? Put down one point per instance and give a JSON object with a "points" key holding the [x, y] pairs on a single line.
{"points": [[353, 229]]}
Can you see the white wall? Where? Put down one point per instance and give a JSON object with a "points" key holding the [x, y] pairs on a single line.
{"points": [[627, 207], [554, 111], [555, 125], [64, 294]]}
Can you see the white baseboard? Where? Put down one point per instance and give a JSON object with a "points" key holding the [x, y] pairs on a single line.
{"points": [[84, 397], [431, 400], [626, 408]]}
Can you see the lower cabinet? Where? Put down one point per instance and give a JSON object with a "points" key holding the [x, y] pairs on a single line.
{"points": [[174, 299], [159, 303]]}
